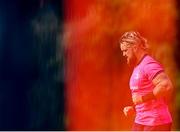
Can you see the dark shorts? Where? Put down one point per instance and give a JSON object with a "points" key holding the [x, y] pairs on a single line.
{"points": [[139, 127]]}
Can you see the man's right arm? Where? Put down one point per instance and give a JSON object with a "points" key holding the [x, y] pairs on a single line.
{"points": [[129, 110]]}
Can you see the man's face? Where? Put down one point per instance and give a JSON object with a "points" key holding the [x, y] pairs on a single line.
{"points": [[128, 52]]}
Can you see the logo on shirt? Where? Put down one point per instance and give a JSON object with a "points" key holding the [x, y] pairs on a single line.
{"points": [[137, 76], [134, 87]]}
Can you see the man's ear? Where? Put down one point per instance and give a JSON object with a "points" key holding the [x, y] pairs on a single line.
{"points": [[135, 47]]}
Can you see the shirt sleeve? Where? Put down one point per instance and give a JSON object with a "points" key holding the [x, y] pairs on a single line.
{"points": [[152, 69]]}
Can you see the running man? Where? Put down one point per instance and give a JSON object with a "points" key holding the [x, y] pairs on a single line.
{"points": [[149, 85]]}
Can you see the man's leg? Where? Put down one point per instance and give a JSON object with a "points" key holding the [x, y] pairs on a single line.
{"points": [[137, 127], [165, 127]]}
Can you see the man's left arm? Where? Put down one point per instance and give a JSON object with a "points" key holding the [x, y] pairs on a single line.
{"points": [[162, 88]]}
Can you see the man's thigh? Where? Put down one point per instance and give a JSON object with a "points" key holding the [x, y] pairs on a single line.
{"points": [[165, 127], [137, 127]]}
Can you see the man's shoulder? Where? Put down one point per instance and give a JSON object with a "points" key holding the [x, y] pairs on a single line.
{"points": [[150, 63], [149, 60]]}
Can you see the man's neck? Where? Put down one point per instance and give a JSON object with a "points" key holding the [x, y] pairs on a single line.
{"points": [[140, 56]]}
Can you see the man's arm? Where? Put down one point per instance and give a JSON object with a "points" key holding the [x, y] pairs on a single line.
{"points": [[163, 85], [163, 88]]}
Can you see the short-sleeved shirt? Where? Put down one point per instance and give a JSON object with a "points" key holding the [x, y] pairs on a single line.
{"points": [[153, 112]]}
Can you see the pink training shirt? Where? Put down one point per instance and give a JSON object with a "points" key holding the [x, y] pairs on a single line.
{"points": [[153, 112]]}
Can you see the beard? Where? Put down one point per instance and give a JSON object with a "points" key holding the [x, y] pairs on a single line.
{"points": [[131, 61]]}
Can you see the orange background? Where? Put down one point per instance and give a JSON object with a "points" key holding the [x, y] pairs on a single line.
{"points": [[96, 73]]}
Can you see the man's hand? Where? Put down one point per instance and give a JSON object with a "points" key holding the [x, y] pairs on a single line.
{"points": [[137, 99], [128, 110]]}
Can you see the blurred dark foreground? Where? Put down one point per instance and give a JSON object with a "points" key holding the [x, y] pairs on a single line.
{"points": [[31, 65]]}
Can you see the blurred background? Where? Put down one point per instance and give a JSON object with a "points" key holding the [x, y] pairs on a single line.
{"points": [[31, 65], [61, 67], [96, 73]]}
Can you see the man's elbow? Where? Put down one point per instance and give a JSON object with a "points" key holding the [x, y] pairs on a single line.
{"points": [[169, 87], [166, 88]]}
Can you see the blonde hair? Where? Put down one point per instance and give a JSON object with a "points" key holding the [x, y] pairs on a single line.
{"points": [[134, 37]]}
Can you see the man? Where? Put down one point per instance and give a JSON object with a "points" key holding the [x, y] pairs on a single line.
{"points": [[149, 86]]}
